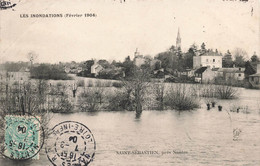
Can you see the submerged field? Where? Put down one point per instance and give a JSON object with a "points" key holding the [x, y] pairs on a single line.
{"points": [[245, 99]]}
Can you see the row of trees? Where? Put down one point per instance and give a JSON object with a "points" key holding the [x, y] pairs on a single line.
{"points": [[47, 71], [238, 58]]}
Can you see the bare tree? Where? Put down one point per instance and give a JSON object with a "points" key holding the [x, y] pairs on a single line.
{"points": [[240, 56], [159, 94], [137, 87]]}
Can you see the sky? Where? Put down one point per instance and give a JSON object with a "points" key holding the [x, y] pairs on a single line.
{"points": [[120, 28]]}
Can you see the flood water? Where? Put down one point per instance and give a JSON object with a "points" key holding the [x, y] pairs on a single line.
{"points": [[198, 137]]}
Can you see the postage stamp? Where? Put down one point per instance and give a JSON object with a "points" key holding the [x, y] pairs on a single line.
{"points": [[70, 143], [22, 137]]}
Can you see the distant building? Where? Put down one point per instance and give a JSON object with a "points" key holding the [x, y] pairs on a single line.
{"points": [[138, 59], [205, 75], [96, 68], [24, 69], [254, 79], [159, 73], [67, 69], [178, 40], [236, 73], [79, 69], [186, 72], [208, 58]]}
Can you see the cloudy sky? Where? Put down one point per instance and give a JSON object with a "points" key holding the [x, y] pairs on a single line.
{"points": [[120, 28]]}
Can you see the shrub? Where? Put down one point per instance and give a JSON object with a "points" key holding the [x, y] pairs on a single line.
{"points": [[81, 83], [158, 92], [63, 105], [179, 97], [117, 84], [226, 92], [59, 84], [92, 100], [90, 83], [120, 100], [208, 90], [107, 84], [98, 83]]}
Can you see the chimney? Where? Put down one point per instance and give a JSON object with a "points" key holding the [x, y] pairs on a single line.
{"points": [[258, 68]]}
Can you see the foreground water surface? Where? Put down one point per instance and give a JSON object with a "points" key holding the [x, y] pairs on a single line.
{"points": [[198, 137]]}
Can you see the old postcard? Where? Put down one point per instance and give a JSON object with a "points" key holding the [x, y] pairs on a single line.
{"points": [[129, 82]]}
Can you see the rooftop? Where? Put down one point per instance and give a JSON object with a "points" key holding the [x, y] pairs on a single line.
{"points": [[255, 75], [201, 70], [232, 70], [210, 53]]}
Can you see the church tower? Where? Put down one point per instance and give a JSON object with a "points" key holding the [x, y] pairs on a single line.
{"points": [[178, 40]]}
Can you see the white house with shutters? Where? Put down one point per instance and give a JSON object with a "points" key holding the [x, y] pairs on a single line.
{"points": [[207, 59]]}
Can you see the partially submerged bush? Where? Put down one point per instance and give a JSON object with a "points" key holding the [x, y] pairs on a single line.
{"points": [[92, 99], [208, 90], [120, 101], [80, 83], [90, 83], [107, 84], [180, 97], [61, 104], [98, 83], [226, 92], [158, 91]]}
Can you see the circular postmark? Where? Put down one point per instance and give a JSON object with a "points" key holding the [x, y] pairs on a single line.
{"points": [[70, 143], [7, 4], [23, 137]]}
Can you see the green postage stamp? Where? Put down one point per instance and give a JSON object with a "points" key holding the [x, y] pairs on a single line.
{"points": [[22, 137]]}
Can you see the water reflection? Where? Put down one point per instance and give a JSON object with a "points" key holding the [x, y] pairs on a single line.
{"points": [[138, 116]]}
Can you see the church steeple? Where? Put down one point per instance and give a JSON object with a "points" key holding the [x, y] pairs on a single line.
{"points": [[178, 40]]}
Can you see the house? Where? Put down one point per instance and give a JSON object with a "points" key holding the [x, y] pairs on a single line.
{"points": [[185, 72], [79, 69], [254, 79], [73, 70], [95, 69], [24, 69], [67, 69], [208, 58], [236, 73], [205, 75], [158, 71], [139, 60]]}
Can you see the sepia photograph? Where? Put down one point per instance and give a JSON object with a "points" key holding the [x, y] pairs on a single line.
{"points": [[130, 83]]}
